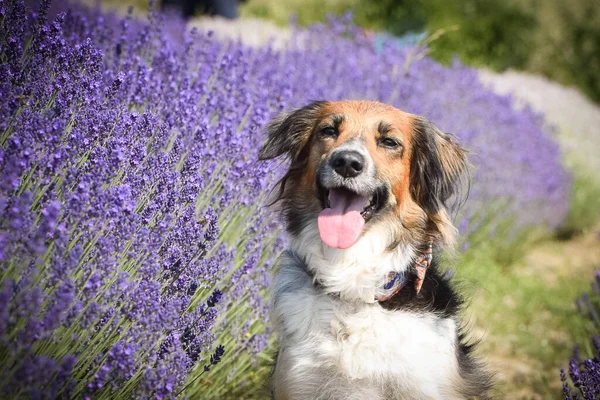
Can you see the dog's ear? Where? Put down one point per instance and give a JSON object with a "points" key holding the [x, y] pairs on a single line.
{"points": [[438, 171], [287, 134]]}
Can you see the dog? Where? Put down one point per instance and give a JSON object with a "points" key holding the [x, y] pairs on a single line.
{"points": [[359, 305]]}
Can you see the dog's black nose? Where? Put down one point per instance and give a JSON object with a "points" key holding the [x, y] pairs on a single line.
{"points": [[347, 163]]}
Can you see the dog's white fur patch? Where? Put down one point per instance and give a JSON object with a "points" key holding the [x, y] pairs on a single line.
{"points": [[356, 273], [346, 346]]}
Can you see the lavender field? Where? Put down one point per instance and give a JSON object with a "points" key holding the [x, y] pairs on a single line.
{"points": [[135, 241]]}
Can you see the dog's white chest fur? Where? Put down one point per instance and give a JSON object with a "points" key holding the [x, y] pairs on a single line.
{"points": [[334, 349]]}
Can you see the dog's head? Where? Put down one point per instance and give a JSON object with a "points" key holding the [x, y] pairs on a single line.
{"points": [[357, 164]]}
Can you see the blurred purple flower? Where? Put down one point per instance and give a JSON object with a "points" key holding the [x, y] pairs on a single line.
{"points": [[583, 380]]}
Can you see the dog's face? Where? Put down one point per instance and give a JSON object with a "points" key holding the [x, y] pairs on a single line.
{"points": [[356, 164]]}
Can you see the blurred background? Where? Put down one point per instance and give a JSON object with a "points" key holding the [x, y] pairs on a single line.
{"points": [[554, 38]]}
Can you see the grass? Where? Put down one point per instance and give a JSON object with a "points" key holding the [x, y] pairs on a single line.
{"points": [[524, 308], [526, 317], [585, 202]]}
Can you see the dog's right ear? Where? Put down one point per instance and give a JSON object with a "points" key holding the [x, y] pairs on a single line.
{"points": [[288, 133]]}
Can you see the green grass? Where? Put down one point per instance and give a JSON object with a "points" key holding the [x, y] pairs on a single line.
{"points": [[524, 317], [524, 304], [585, 202]]}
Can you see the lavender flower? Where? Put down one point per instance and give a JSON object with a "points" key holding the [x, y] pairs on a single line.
{"points": [[584, 373], [214, 298], [215, 358]]}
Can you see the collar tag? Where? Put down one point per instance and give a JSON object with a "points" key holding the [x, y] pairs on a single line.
{"points": [[397, 280]]}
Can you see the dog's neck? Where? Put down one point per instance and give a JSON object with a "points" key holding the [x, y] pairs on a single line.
{"points": [[367, 272], [397, 280]]}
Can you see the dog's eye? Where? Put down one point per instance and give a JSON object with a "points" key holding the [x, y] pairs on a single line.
{"points": [[328, 132], [389, 143]]}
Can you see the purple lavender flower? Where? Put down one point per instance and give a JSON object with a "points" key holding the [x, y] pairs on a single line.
{"points": [[215, 358], [214, 298], [584, 373]]}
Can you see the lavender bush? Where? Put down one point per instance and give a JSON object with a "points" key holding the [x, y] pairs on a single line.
{"points": [[583, 381], [135, 246]]}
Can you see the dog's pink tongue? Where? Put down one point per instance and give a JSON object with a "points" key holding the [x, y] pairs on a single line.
{"points": [[341, 225]]}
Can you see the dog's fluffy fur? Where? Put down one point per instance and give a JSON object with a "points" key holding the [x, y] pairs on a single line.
{"points": [[336, 341]]}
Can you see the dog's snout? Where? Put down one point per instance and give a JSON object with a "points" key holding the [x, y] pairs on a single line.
{"points": [[348, 163]]}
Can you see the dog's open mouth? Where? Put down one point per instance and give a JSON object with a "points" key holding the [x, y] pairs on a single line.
{"points": [[345, 213]]}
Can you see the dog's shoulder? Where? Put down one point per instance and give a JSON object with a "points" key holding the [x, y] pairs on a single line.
{"points": [[291, 275], [439, 297]]}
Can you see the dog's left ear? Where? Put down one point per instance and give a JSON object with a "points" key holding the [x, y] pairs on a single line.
{"points": [[439, 169], [288, 134]]}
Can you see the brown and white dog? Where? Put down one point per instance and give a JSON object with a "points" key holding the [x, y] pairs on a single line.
{"points": [[359, 305]]}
